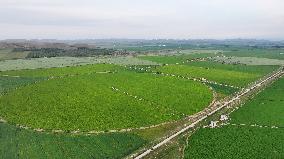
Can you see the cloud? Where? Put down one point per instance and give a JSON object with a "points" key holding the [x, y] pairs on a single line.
{"points": [[142, 19]]}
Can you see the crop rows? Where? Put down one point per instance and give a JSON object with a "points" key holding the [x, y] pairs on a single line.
{"points": [[255, 130], [94, 106]]}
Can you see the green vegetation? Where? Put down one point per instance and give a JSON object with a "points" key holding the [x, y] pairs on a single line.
{"points": [[75, 52], [164, 59], [64, 71], [9, 54], [36, 63], [236, 142], [261, 70], [90, 103], [238, 75], [250, 52], [249, 61], [223, 90], [265, 109], [221, 76], [21, 143], [178, 58], [9, 83], [246, 141]]}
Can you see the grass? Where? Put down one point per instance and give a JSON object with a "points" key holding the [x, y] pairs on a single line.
{"points": [[89, 103], [20, 143], [229, 141]]}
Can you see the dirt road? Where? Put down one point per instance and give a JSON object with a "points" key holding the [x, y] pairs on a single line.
{"points": [[216, 108]]}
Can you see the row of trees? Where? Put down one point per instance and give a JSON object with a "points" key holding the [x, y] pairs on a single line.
{"points": [[78, 52]]}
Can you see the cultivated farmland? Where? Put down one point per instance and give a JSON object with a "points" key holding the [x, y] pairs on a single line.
{"points": [[36, 63], [21, 143], [100, 99], [234, 78], [254, 131], [121, 105]]}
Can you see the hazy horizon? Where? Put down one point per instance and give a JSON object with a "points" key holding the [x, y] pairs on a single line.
{"points": [[125, 19]]}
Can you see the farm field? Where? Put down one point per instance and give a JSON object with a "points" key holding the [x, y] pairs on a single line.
{"points": [[266, 109], [177, 58], [234, 78], [21, 143], [63, 71], [257, 69], [36, 63], [261, 53], [237, 75], [100, 99], [9, 83], [254, 131], [223, 91], [249, 60], [236, 142], [115, 106]]}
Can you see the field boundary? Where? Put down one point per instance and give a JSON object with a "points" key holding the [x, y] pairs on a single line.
{"points": [[202, 80], [274, 76]]}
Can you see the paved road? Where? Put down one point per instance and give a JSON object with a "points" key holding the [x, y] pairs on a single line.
{"points": [[259, 84]]}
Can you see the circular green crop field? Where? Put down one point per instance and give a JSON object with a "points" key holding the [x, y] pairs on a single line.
{"points": [[104, 101]]}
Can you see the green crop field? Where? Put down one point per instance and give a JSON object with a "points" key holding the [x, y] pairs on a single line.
{"points": [[64, 71], [21, 143], [235, 78], [238, 75], [179, 58], [223, 91], [211, 64], [90, 102], [249, 60], [266, 109], [236, 142], [9, 83], [36, 63], [262, 53], [261, 70], [113, 106], [164, 59], [245, 140]]}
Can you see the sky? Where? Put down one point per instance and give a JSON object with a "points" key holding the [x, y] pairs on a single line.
{"points": [[141, 19]]}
